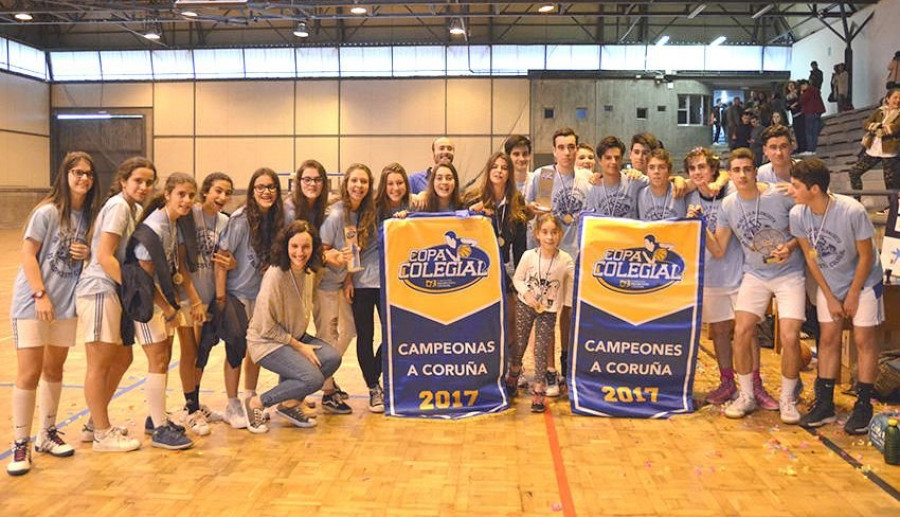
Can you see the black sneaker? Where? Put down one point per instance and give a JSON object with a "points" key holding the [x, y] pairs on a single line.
{"points": [[334, 403], [171, 437], [821, 413], [537, 403], [344, 395], [295, 415], [858, 423]]}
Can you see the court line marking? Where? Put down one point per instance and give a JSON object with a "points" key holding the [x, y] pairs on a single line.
{"points": [[562, 480]]}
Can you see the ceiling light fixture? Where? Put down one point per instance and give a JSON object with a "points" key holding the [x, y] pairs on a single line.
{"points": [[718, 41], [663, 40], [762, 11], [359, 9], [547, 8], [697, 10], [302, 30], [457, 27], [188, 14], [24, 17]]}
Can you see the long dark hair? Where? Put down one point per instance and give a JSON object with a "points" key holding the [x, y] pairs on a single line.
{"points": [[365, 218], [124, 172], [302, 210], [431, 198], [60, 194], [382, 202], [280, 257], [158, 201], [208, 181], [264, 227], [513, 197]]}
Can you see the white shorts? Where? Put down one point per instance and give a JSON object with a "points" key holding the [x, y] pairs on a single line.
{"points": [[869, 314], [185, 319], [37, 333], [789, 291], [154, 331], [100, 318], [718, 303]]}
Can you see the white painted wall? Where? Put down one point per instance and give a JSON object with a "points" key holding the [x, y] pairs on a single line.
{"points": [[873, 48]]}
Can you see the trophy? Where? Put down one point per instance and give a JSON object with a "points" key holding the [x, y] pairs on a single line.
{"points": [[543, 197], [350, 239]]}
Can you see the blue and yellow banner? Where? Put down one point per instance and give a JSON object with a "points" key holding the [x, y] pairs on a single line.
{"points": [[638, 289], [444, 324]]}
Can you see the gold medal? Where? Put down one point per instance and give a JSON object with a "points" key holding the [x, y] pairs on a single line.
{"points": [[568, 219], [177, 278], [501, 241], [813, 254]]}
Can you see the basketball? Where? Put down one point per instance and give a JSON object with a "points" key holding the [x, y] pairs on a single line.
{"points": [[660, 254], [805, 355], [464, 251]]}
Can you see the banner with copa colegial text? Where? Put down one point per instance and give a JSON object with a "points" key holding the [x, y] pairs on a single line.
{"points": [[638, 289], [444, 320]]}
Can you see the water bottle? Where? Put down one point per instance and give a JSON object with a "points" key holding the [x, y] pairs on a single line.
{"points": [[892, 443]]}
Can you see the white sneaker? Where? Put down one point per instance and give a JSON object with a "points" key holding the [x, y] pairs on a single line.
{"points": [[114, 441], [741, 406], [552, 383], [87, 432], [21, 458], [49, 441], [789, 413], [197, 423], [211, 415], [235, 416], [376, 400]]}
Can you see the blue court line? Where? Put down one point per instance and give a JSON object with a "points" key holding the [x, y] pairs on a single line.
{"points": [[85, 411]]}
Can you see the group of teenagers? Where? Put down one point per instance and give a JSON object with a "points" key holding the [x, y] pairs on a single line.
{"points": [[93, 269]]}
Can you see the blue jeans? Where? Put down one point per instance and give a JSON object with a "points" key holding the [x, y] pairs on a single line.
{"points": [[813, 123], [297, 377]]}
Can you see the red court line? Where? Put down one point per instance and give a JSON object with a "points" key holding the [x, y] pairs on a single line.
{"points": [[562, 480]]}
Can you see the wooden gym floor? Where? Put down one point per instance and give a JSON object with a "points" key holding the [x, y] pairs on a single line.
{"points": [[515, 463]]}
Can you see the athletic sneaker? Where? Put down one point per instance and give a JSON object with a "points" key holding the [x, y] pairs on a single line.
{"points": [[740, 406], [234, 415], [87, 431], [552, 381], [21, 458], [788, 409], [725, 392], [114, 441], [763, 399], [49, 441], [821, 413], [858, 423], [344, 395], [537, 402], [197, 423], [376, 400], [172, 437], [296, 416], [210, 415], [334, 403], [256, 418]]}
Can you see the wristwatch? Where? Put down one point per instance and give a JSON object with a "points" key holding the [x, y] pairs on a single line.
{"points": [[39, 294]]}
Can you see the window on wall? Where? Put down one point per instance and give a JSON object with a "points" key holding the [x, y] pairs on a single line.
{"points": [[692, 109]]}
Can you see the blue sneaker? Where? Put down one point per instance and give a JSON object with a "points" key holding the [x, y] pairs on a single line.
{"points": [[172, 437]]}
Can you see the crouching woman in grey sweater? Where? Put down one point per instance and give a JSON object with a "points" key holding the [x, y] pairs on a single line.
{"points": [[277, 338]]}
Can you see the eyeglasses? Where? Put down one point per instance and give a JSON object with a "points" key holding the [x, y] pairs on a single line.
{"points": [[80, 174], [311, 180], [262, 188]]}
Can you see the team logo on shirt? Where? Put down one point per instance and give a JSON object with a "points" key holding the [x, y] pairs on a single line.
{"points": [[646, 269], [61, 261], [456, 264]]}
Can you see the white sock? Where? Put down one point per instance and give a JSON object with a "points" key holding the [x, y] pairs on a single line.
{"points": [[746, 383], [49, 393], [156, 398], [23, 412], [787, 388]]}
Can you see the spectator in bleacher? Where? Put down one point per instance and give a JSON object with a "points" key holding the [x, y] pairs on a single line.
{"points": [[732, 120], [792, 99], [778, 107], [816, 77], [882, 143], [741, 135], [756, 131], [840, 87], [812, 107], [764, 109], [893, 78]]}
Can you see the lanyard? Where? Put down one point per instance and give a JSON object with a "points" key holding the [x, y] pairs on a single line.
{"points": [[744, 214], [815, 236]]}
